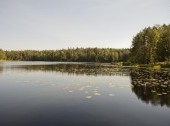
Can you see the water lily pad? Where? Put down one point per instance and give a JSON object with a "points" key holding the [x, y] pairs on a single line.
{"points": [[97, 94], [88, 97], [164, 93], [111, 95]]}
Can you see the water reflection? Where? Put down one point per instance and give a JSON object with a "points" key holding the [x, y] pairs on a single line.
{"points": [[85, 69], [99, 95], [151, 86], [1, 69]]}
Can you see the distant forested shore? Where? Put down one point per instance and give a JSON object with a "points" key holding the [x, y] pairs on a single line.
{"points": [[68, 55], [151, 45]]}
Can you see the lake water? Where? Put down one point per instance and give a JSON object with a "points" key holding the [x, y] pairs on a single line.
{"points": [[82, 94]]}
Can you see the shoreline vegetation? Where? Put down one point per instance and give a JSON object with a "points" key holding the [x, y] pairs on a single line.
{"points": [[114, 64], [150, 48]]}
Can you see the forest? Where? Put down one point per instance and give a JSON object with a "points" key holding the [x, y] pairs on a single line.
{"points": [[69, 55], [150, 45]]}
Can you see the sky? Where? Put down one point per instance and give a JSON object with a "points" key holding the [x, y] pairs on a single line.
{"points": [[58, 24]]}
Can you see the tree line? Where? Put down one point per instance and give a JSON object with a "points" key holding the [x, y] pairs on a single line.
{"points": [[151, 45], [68, 55]]}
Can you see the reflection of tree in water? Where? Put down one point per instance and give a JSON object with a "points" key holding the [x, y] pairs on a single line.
{"points": [[152, 86], [1, 69], [87, 69]]}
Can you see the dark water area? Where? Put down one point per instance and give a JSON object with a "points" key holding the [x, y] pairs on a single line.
{"points": [[82, 94]]}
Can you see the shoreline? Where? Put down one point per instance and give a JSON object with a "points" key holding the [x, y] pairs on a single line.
{"points": [[115, 64]]}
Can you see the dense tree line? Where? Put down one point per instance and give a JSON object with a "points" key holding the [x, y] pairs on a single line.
{"points": [[151, 45], [72, 55], [2, 55]]}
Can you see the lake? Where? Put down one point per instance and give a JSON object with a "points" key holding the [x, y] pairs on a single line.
{"points": [[82, 94]]}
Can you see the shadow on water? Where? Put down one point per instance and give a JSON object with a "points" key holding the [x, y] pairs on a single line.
{"points": [[77, 69], [151, 86]]}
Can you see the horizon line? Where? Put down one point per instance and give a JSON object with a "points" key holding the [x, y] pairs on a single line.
{"points": [[63, 48]]}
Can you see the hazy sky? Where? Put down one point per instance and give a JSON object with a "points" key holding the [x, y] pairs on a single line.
{"points": [[56, 24]]}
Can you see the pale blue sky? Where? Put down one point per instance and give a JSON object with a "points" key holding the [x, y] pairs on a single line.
{"points": [[56, 24]]}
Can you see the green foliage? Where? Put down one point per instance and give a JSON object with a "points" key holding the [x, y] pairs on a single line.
{"points": [[2, 55], [166, 65], [151, 45], [157, 67], [71, 55]]}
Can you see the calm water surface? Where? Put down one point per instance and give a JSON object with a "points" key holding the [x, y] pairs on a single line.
{"points": [[82, 94]]}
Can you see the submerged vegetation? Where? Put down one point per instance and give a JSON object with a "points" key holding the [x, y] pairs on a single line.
{"points": [[151, 86]]}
